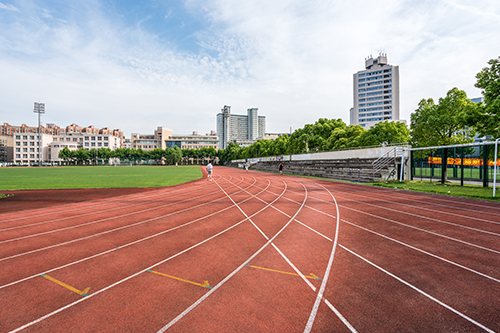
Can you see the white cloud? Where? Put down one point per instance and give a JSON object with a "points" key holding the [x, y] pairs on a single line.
{"points": [[294, 60], [8, 7]]}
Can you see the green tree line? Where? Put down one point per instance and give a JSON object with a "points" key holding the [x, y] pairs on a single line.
{"points": [[453, 119]]}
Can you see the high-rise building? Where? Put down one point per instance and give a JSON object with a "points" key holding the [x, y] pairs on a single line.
{"points": [[241, 129], [376, 93]]}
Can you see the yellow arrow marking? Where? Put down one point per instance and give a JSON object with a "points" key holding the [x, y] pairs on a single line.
{"points": [[311, 275], [205, 284], [83, 292]]}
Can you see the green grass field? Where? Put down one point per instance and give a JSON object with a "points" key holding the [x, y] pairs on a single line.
{"points": [[95, 177], [454, 190]]}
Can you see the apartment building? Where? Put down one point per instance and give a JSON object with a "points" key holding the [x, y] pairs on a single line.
{"points": [[241, 129], [376, 93], [27, 148], [164, 138]]}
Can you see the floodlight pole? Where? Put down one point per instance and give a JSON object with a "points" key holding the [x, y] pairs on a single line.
{"points": [[39, 108], [495, 173]]}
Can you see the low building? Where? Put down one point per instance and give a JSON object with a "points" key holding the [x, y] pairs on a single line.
{"points": [[77, 140], [6, 148], [28, 149], [164, 138]]}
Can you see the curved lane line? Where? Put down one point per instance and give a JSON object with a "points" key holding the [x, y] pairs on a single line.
{"points": [[121, 246], [201, 299], [140, 272], [109, 218], [408, 226], [314, 310], [421, 292]]}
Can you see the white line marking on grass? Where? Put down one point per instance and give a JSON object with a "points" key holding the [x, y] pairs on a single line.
{"points": [[421, 292]]}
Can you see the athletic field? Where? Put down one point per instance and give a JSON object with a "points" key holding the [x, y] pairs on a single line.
{"points": [[251, 252]]}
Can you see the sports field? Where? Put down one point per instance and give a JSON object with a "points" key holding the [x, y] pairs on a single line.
{"points": [[96, 177], [251, 252]]}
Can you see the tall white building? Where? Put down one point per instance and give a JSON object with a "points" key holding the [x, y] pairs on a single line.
{"points": [[241, 129], [376, 93]]}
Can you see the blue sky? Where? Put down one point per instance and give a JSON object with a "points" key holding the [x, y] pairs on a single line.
{"points": [[137, 65]]}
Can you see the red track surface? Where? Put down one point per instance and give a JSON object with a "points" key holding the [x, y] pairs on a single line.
{"points": [[252, 252]]}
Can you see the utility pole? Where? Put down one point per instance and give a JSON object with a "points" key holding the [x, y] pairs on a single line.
{"points": [[39, 108]]}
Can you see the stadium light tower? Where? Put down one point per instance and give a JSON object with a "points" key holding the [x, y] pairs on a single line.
{"points": [[39, 108]]}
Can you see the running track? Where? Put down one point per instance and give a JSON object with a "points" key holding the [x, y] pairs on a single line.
{"points": [[253, 252]]}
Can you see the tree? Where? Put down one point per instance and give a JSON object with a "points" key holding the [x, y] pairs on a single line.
{"points": [[384, 132], [487, 117], [444, 123]]}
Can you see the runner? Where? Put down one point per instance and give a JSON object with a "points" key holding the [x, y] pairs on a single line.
{"points": [[209, 171], [281, 168]]}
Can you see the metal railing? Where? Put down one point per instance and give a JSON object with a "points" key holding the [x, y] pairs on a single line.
{"points": [[387, 158]]}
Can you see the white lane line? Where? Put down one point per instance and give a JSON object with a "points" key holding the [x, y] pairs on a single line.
{"points": [[429, 218], [92, 204], [201, 299], [97, 212], [267, 238], [420, 229], [342, 318], [106, 219], [319, 297], [402, 243], [405, 225], [420, 291], [121, 246], [423, 251], [428, 202], [138, 273]]}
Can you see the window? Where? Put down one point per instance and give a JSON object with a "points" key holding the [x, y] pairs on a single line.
{"points": [[86, 144], [361, 80], [387, 91], [25, 150], [361, 85], [362, 100], [18, 137], [99, 144], [25, 143], [18, 155], [32, 155], [93, 138], [32, 150], [376, 103], [32, 137], [86, 138], [18, 143], [106, 138], [362, 105], [105, 144], [374, 83], [75, 139], [361, 95], [361, 89], [25, 155], [374, 98], [361, 75], [93, 144], [25, 137], [18, 150]]}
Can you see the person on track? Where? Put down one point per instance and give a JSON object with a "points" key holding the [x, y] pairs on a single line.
{"points": [[209, 171], [280, 168], [246, 166]]}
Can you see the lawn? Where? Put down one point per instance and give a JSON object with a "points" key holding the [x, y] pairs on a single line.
{"points": [[69, 177], [451, 189]]}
